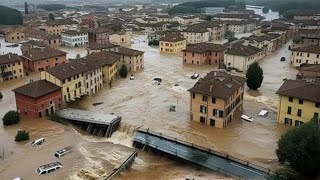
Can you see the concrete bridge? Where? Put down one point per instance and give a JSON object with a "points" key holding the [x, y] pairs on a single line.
{"points": [[98, 124], [205, 157]]}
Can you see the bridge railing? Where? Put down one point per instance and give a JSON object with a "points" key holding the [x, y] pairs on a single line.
{"points": [[122, 166], [208, 150]]}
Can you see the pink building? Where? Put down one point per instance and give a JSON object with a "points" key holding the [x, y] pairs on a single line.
{"points": [[39, 59], [203, 54]]}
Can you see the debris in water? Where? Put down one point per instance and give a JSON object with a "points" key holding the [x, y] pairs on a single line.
{"points": [[97, 103]]}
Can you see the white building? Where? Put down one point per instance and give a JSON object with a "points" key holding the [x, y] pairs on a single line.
{"points": [[241, 57], [121, 38], [305, 55], [196, 34], [74, 38], [93, 80]]}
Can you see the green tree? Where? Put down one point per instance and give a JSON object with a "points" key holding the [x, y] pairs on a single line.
{"points": [[51, 7], [300, 147], [26, 10], [123, 71], [232, 38], [229, 34], [254, 76], [9, 16], [22, 135], [51, 16], [265, 10], [11, 117], [208, 18], [284, 174]]}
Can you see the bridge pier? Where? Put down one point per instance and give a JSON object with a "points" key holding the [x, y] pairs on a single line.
{"points": [[89, 128]]}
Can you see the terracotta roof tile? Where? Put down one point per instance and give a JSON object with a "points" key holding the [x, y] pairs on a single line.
{"points": [[309, 49], [37, 54], [37, 89], [9, 58], [204, 47]]}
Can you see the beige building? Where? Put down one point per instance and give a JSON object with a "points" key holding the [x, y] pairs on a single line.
{"points": [[121, 38], [15, 35], [109, 62], [216, 99], [305, 55], [196, 34], [57, 26], [11, 67], [299, 102], [132, 58], [96, 47], [172, 43], [309, 72]]}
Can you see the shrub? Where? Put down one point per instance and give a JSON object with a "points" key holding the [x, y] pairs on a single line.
{"points": [[284, 174], [11, 117], [22, 135], [265, 10], [1, 96], [123, 71]]}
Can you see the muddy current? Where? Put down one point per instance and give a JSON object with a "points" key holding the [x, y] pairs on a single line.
{"points": [[143, 104]]}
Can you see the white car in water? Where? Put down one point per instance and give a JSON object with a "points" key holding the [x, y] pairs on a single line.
{"points": [[38, 141]]}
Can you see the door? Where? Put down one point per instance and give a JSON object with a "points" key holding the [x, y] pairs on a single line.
{"points": [[202, 119], [47, 112], [40, 114], [212, 122], [52, 109]]}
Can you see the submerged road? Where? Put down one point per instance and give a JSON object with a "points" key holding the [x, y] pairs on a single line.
{"points": [[209, 160]]}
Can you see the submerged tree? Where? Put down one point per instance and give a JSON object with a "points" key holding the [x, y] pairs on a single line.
{"points": [[265, 10], [11, 117], [22, 135], [51, 16], [254, 76], [123, 71]]}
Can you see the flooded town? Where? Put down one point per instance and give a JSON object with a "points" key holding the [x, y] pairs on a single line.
{"points": [[143, 91]]}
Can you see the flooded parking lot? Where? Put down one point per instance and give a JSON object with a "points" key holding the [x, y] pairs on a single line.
{"points": [[143, 104]]}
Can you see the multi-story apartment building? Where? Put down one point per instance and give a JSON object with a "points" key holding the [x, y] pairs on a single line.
{"points": [[74, 38], [203, 53], [216, 99], [38, 99], [53, 41], [132, 58], [306, 38], [299, 102], [96, 47], [55, 27], [121, 38], [240, 57], [216, 30], [11, 67], [39, 59], [16, 34], [99, 35], [305, 55], [309, 72], [73, 78], [109, 62], [172, 43], [196, 34]]}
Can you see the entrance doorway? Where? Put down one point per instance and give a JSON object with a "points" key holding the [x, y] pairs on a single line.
{"points": [[47, 112], [40, 114], [52, 109], [212, 122], [202, 119]]}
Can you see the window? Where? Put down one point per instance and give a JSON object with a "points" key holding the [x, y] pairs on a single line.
{"points": [[204, 98], [193, 95], [290, 99], [203, 109], [212, 122], [298, 123], [316, 115], [300, 101], [213, 100], [299, 112], [202, 119], [318, 104], [289, 110], [288, 121]]}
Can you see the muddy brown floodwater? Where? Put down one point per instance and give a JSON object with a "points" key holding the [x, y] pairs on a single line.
{"points": [[142, 104]]}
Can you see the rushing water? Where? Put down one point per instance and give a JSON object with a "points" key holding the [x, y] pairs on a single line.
{"points": [[142, 104]]}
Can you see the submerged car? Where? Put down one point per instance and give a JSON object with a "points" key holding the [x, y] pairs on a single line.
{"points": [[48, 168], [283, 59], [38, 142], [195, 76], [132, 77]]}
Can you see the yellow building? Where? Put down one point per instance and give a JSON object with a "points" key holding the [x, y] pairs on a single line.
{"points": [[11, 67], [299, 102], [305, 55], [172, 43], [55, 27], [216, 99], [16, 35], [109, 62]]}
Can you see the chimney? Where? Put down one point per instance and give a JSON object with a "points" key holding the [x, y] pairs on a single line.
{"points": [[211, 86], [9, 56]]}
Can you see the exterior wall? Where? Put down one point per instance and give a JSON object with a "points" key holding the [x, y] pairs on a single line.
{"points": [[222, 111], [133, 63], [237, 29], [77, 40], [37, 107], [11, 71], [41, 65], [54, 43], [193, 38], [102, 38], [308, 109], [241, 62], [172, 47], [110, 73], [211, 58], [298, 58], [15, 37], [121, 39], [216, 33], [58, 29], [307, 75], [72, 88], [93, 81], [114, 49], [306, 42]]}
